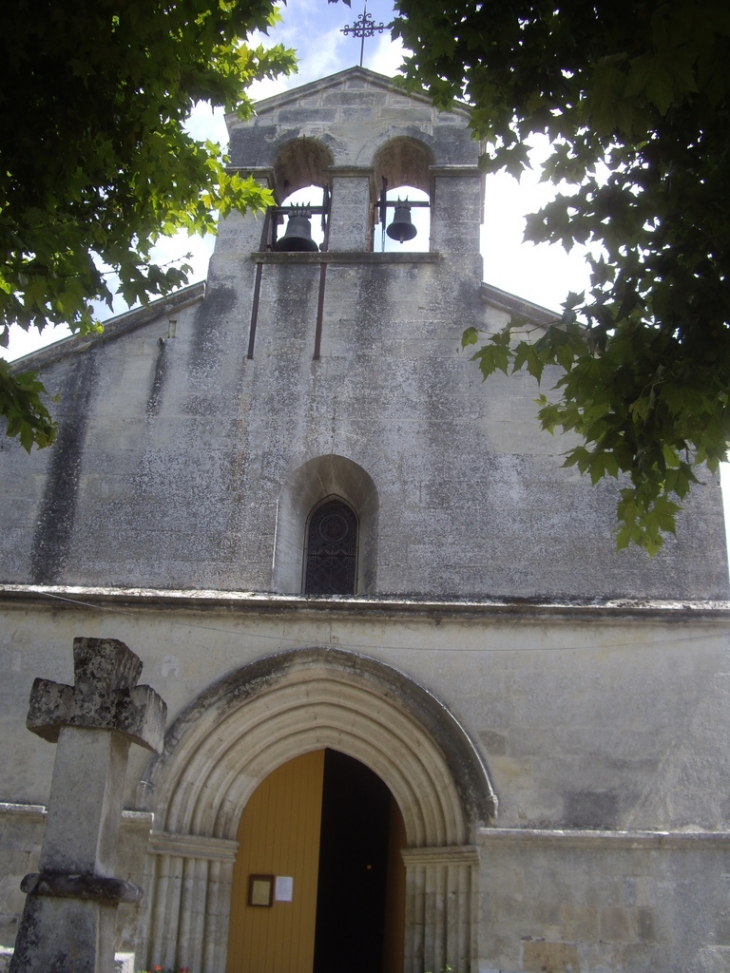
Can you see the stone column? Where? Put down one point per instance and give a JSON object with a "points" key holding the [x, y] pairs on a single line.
{"points": [[456, 209], [239, 234], [191, 901], [70, 913], [441, 905], [350, 213]]}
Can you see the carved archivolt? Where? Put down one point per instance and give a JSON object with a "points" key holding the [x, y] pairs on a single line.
{"points": [[243, 728]]}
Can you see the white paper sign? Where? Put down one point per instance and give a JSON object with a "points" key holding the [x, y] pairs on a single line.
{"points": [[284, 888]]}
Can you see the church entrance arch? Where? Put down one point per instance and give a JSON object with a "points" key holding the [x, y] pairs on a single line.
{"points": [[244, 727]]}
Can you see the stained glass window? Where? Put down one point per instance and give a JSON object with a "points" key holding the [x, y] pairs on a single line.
{"points": [[331, 550]]}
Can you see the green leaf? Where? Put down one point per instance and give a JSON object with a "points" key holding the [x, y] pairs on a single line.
{"points": [[635, 103], [492, 358], [527, 354], [469, 337]]}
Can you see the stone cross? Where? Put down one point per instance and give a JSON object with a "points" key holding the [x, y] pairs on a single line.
{"points": [[364, 26], [70, 911]]}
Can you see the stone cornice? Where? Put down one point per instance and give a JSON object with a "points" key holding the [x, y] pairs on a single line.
{"points": [[193, 846], [372, 78], [58, 597], [686, 840], [38, 812], [344, 257], [513, 304]]}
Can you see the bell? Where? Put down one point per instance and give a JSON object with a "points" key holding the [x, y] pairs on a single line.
{"points": [[298, 235], [402, 228]]}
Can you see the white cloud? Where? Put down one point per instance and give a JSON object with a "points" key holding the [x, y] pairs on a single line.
{"points": [[387, 58]]}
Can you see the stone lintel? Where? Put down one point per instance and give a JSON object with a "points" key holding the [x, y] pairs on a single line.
{"points": [[74, 597], [344, 257], [66, 885]]}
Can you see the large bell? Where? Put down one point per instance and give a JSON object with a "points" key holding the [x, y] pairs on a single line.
{"points": [[298, 235], [402, 229]]}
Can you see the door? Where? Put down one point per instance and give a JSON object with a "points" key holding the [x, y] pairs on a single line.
{"points": [[331, 826]]}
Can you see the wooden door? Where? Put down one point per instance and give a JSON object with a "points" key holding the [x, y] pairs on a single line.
{"points": [[278, 835]]}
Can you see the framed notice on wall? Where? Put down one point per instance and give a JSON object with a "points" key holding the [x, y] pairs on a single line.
{"points": [[261, 890]]}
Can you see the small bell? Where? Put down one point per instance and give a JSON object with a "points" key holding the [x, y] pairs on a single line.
{"points": [[298, 235], [402, 228]]}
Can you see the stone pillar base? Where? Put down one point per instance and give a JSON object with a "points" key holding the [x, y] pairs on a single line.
{"points": [[65, 936]]}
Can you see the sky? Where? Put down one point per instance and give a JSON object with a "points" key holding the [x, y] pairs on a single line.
{"points": [[543, 274]]}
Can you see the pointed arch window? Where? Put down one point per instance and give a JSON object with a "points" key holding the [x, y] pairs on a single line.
{"points": [[331, 555]]}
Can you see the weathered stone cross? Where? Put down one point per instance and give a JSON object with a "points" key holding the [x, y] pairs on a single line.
{"points": [[70, 911]]}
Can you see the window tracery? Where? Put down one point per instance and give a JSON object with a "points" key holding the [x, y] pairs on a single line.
{"points": [[331, 555]]}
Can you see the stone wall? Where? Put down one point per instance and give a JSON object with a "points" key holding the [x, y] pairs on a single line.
{"points": [[174, 453], [176, 449]]}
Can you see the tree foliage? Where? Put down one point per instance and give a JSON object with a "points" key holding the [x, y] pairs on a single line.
{"points": [[95, 162], [634, 98]]}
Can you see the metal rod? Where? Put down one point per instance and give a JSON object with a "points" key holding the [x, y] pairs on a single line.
{"points": [[254, 311], [403, 202], [320, 313]]}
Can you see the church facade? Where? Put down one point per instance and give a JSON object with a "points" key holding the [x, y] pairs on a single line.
{"points": [[422, 715]]}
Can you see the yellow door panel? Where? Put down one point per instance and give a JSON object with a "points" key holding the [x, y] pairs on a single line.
{"points": [[279, 836]]}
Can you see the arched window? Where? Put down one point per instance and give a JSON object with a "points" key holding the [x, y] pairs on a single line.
{"points": [[318, 481], [403, 167], [420, 218], [331, 554]]}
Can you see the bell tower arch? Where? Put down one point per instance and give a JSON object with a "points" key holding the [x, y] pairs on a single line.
{"points": [[348, 131]]}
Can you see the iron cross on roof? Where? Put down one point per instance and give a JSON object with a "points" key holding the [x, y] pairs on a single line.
{"points": [[363, 27]]}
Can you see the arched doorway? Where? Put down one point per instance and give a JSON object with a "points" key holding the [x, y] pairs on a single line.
{"points": [[236, 733], [321, 839]]}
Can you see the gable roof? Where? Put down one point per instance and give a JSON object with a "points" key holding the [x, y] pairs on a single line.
{"points": [[342, 79], [114, 327]]}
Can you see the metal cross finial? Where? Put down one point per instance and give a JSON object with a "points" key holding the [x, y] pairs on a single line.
{"points": [[363, 27]]}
